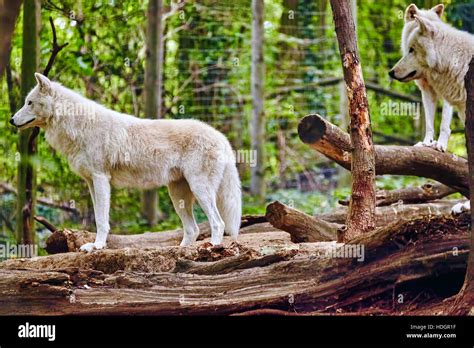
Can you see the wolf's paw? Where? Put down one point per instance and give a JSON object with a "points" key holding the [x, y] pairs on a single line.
{"points": [[441, 145], [185, 243], [458, 208], [427, 143], [189, 238], [88, 247], [216, 241]]}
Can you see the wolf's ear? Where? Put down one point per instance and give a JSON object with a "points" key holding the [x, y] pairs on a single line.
{"points": [[410, 13], [44, 83], [438, 9], [425, 25]]}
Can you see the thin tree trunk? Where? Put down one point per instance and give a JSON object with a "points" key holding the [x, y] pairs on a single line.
{"points": [[153, 92], [281, 143], [11, 95], [9, 11], [258, 116], [27, 143], [362, 204], [467, 293]]}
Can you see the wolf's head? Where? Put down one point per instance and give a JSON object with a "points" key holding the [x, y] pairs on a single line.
{"points": [[38, 108], [417, 43]]}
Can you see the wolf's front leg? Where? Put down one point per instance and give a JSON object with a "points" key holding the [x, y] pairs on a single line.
{"points": [[101, 192], [429, 105], [445, 129]]}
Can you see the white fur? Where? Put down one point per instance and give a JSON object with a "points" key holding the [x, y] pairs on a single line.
{"points": [[441, 56], [458, 208], [105, 147], [428, 95]]}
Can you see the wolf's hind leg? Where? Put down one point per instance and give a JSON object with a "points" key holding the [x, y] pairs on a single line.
{"points": [[206, 197], [183, 201]]}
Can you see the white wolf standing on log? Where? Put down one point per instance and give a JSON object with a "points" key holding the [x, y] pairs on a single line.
{"points": [[428, 94], [440, 54], [106, 147]]}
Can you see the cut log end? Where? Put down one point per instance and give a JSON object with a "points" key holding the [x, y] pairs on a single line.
{"points": [[57, 243], [311, 129]]}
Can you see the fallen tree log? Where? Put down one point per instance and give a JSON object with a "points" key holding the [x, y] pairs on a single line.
{"points": [[66, 240], [301, 227], [421, 194], [397, 259], [326, 227], [164, 258], [335, 144]]}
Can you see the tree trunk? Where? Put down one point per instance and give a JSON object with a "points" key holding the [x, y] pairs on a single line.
{"points": [[335, 144], [258, 115], [282, 164], [362, 203], [466, 295], [9, 11], [26, 180], [153, 93]]}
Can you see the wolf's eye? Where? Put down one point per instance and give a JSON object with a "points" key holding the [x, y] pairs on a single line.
{"points": [[30, 102], [411, 50]]}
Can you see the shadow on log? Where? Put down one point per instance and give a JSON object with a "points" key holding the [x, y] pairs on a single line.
{"points": [[335, 144]]}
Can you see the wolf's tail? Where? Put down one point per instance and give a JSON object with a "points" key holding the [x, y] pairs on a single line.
{"points": [[229, 200]]}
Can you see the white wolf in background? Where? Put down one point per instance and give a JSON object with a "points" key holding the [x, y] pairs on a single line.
{"points": [[105, 147], [440, 54], [428, 94]]}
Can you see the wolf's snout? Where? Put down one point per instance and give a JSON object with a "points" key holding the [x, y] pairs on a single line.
{"points": [[12, 122], [391, 73]]}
